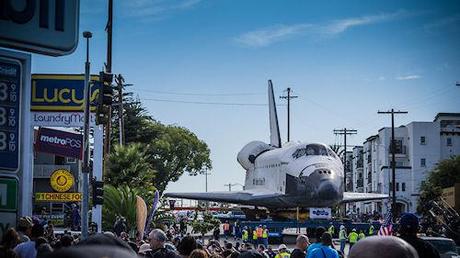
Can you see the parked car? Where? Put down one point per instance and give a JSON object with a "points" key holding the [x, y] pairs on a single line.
{"points": [[445, 246]]}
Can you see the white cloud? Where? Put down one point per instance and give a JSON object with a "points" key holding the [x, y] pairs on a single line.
{"points": [[266, 36], [155, 8], [408, 77], [442, 22], [340, 26]]}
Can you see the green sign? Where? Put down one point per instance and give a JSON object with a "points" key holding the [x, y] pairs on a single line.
{"points": [[8, 194]]}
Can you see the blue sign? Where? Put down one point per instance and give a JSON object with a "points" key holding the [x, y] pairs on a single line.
{"points": [[62, 92], [10, 110]]}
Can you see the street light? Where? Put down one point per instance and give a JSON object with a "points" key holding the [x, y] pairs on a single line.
{"points": [[85, 169]]}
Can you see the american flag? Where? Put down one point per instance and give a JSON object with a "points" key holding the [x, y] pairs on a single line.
{"points": [[386, 229]]}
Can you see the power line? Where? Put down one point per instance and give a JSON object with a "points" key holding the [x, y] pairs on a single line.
{"points": [[206, 103], [199, 94]]}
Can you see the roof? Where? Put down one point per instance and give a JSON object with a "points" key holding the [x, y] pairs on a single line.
{"points": [[445, 114]]}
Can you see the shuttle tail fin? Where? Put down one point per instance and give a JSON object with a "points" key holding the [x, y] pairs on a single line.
{"points": [[275, 138]]}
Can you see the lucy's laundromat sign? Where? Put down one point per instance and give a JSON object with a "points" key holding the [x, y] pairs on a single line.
{"points": [[58, 92]]}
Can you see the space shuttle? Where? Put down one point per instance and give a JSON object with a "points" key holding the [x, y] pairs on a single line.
{"points": [[295, 175]]}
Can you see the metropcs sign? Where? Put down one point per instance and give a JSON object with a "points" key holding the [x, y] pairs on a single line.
{"points": [[47, 27]]}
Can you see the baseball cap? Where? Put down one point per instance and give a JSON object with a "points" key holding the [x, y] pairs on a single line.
{"points": [[409, 221], [25, 222], [282, 246], [144, 248]]}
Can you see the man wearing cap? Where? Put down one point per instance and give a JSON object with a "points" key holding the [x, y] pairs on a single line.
{"points": [[408, 228], [24, 229], [282, 252], [342, 238], [245, 235], [265, 236], [353, 238]]}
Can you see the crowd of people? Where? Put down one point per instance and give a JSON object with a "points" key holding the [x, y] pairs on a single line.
{"points": [[32, 239]]}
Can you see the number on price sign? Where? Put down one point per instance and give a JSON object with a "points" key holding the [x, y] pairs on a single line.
{"points": [[10, 81]]}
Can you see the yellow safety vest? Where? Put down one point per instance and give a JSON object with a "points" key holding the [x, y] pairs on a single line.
{"points": [[331, 230], [245, 235], [353, 237], [259, 232], [283, 255], [265, 233], [254, 235], [361, 236], [371, 231]]}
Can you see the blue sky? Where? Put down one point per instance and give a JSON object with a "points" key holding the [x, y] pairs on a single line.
{"points": [[344, 59]]}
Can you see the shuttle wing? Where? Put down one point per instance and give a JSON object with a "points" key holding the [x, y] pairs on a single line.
{"points": [[240, 197], [359, 197]]}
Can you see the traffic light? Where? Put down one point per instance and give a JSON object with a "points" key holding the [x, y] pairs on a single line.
{"points": [[105, 98], [98, 193]]}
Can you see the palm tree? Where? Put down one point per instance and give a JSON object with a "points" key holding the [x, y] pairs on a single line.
{"points": [[119, 202]]}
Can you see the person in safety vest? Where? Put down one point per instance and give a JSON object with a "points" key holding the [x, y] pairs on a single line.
{"points": [[342, 238], [282, 252], [353, 238], [245, 235], [361, 235], [331, 229], [226, 228], [371, 230], [265, 236], [254, 236], [259, 232]]}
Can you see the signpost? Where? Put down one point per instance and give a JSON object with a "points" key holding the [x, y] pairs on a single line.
{"points": [[10, 110], [45, 27], [8, 203]]}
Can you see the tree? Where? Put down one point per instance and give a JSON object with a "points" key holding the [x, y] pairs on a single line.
{"points": [[174, 151], [446, 174], [339, 150], [209, 223], [119, 201], [129, 164], [170, 150]]}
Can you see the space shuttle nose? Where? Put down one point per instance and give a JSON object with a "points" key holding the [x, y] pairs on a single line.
{"points": [[328, 190]]}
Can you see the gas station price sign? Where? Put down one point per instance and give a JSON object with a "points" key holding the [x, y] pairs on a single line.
{"points": [[10, 110]]}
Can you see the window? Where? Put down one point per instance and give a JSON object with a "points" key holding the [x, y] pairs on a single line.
{"points": [[70, 160], [449, 141], [422, 140], [397, 186], [403, 187], [423, 162]]}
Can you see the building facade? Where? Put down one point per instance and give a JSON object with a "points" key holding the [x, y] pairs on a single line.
{"points": [[419, 146]]}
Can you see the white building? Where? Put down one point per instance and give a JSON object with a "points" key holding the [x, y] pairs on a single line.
{"points": [[419, 146]]}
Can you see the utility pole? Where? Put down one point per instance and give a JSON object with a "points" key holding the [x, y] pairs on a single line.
{"points": [[205, 173], [121, 128], [393, 159], [288, 97], [85, 169], [108, 69], [345, 132], [229, 186]]}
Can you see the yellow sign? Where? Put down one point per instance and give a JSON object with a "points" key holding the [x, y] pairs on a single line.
{"points": [[58, 197], [61, 180]]}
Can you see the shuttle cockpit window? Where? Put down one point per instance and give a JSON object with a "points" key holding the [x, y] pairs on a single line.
{"points": [[310, 150]]}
